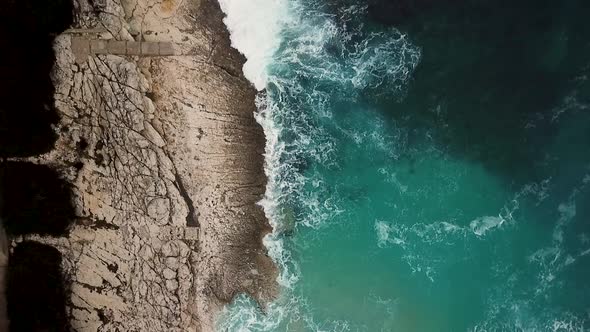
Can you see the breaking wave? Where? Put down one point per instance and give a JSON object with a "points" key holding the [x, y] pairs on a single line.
{"points": [[301, 58], [320, 72]]}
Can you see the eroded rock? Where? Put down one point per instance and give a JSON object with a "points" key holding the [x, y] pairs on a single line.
{"points": [[165, 162]]}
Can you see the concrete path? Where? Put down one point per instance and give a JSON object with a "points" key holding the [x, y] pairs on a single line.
{"points": [[82, 47]]}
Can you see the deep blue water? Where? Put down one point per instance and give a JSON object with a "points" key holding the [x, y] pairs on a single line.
{"points": [[428, 163]]}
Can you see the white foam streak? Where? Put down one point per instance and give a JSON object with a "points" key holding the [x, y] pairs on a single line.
{"points": [[383, 230], [481, 225]]}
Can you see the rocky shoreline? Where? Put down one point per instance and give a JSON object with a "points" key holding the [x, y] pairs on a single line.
{"points": [[164, 160]]}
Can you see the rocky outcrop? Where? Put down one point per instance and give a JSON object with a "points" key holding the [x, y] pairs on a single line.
{"points": [[33, 198], [164, 159]]}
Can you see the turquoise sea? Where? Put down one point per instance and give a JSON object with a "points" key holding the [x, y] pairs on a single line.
{"points": [[428, 163]]}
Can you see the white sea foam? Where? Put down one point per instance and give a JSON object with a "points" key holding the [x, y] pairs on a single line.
{"points": [[481, 225], [553, 259], [255, 28], [423, 244], [384, 232], [272, 198], [321, 49], [258, 30], [510, 314], [245, 316], [511, 308]]}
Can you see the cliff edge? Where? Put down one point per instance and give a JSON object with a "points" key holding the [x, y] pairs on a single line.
{"points": [[165, 162]]}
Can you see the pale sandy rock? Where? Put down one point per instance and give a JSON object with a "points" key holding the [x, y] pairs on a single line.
{"points": [[167, 181]]}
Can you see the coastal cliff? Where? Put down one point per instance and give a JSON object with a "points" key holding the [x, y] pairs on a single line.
{"points": [[164, 160]]}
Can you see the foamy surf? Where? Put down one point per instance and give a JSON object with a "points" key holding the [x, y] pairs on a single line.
{"points": [[255, 27], [369, 189], [482, 225], [257, 30]]}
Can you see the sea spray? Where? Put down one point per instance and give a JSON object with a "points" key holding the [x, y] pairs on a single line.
{"points": [[279, 38], [387, 205], [255, 28]]}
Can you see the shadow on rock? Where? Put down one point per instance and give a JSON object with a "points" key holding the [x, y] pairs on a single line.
{"points": [[27, 30], [36, 293], [34, 200]]}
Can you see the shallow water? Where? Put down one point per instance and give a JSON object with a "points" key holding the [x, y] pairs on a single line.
{"points": [[428, 164]]}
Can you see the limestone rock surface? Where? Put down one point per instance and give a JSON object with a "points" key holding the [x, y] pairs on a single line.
{"points": [[165, 161]]}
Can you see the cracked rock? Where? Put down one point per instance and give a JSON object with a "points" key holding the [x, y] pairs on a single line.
{"points": [[167, 228]]}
